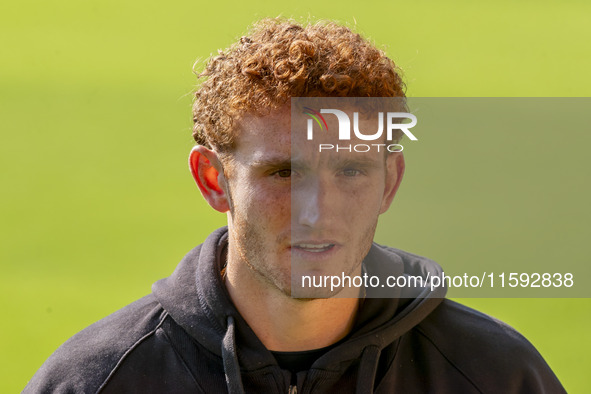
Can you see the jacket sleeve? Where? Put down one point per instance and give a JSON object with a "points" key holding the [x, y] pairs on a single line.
{"points": [[86, 361], [488, 352]]}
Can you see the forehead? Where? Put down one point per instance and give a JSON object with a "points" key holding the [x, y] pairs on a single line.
{"points": [[260, 138], [256, 132]]}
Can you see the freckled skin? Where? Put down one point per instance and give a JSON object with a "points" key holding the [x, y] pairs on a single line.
{"points": [[328, 197], [259, 235]]}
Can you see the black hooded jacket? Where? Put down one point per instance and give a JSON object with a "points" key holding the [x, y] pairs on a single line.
{"points": [[187, 337]]}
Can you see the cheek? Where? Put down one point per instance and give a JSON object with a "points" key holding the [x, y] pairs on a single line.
{"points": [[274, 207], [364, 201], [257, 202]]}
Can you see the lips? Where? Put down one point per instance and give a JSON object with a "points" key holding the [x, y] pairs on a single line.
{"points": [[314, 247], [307, 253]]}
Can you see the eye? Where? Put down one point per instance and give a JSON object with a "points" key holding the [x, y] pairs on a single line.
{"points": [[283, 173], [350, 172]]}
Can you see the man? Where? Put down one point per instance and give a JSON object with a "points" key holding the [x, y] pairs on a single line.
{"points": [[227, 320]]}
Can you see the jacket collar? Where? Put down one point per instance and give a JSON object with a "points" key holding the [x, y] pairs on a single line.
{"points": [[196, 299]]}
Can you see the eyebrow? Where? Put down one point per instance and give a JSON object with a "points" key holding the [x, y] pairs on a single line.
{"points": [[361, 161], [278, 161], [338, 162]]}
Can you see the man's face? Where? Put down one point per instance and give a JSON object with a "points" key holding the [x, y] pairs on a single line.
{"points": [[296, 211]]}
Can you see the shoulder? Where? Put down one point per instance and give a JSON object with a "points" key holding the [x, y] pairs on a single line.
{"points": [[487, 351], [85, 361]]}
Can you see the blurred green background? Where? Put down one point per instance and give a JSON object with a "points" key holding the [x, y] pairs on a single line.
{"points": [[97, 202]]}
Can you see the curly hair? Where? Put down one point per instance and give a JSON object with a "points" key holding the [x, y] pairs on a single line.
{"points": [[281, 59]]}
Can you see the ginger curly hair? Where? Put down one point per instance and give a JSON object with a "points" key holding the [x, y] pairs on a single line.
{"points": [[280, 59]]}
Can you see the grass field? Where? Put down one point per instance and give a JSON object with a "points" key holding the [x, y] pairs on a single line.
{"points": [[97, 202]]}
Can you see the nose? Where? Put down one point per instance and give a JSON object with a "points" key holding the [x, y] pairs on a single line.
{"points": [[312, 203]]}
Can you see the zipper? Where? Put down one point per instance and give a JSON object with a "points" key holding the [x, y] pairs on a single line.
{"points": [[293, 385]]}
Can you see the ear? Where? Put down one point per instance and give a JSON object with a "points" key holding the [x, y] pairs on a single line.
{"points": [[394, 173], [207, 172]]}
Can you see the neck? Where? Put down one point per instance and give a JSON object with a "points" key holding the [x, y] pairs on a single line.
{"points": [[283, 323]]}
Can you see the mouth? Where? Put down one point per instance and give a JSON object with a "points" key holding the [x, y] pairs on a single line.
{"points": [[313, 247]]}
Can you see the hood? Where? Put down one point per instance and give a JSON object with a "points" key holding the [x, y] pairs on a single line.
{"points": [[196, 299]]}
